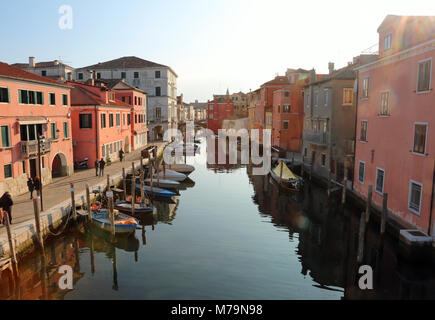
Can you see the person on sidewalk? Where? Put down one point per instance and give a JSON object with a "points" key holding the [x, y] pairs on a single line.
{"points": [[6, 203], [97, 165], [37, 185], [31, 187], [102, 164], [121, 155]]}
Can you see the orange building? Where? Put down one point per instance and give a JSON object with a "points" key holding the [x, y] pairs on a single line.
{"points": [[33, 105], [396, 121], [288, 112], [218, 110], [101, 123]]}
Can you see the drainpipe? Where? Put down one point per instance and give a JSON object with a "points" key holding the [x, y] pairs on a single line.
{"points": [[355, 168], [97, 137], [431, 202]]}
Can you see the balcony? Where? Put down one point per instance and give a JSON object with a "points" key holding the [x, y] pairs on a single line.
{"points": [[318, 138], [30, 148]]}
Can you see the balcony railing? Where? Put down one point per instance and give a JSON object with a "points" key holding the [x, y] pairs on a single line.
{"points": [[30, 148], [319, 138]]}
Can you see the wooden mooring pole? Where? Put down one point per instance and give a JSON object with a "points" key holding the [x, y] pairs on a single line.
{"points": [[38, 223], [302, 166], [133, 188], [361, 239], [88, 201], [369, 204], [73, 202], [124, 184], [329, 183], [142, 191], [11, 243], [384, 215]]}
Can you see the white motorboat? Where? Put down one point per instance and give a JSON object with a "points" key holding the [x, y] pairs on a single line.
{"points": [[163, 183]]}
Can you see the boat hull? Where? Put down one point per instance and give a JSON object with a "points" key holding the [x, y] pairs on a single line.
{"points": [[172, 175], [101, 220], [168, 184], [286, 184], [125, 207]]}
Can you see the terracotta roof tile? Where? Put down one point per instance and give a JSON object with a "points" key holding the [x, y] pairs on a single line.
{"points": [[14, 72]]}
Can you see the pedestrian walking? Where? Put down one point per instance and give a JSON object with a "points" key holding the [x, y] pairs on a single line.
{"points": [[37, 185], [6, 204], [31, 187], [97, 165], [121, 155], [102, 164]]}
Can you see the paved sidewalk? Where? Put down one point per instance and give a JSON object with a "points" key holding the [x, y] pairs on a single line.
{"points": [[59, 190]]}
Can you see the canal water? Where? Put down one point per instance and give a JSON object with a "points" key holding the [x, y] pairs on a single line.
{"points": [[228, 235]]}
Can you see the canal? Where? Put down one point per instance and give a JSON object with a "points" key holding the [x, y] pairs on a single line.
{"points": [[228, 235]]}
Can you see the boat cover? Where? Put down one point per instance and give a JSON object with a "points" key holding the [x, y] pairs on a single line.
{"points": [[286, 172]]}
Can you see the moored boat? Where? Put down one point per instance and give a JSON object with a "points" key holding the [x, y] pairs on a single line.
{"points": [[139, 208], [162, 183], [124, 224], [171, 175], [286, 178], [158, 192], [182, 168]]}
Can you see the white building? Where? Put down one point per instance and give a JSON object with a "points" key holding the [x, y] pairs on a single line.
{"points": [[157, 80], [55, 69]]}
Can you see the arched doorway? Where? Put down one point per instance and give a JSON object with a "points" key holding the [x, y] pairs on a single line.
{"points": [[158, 133], [59, 166]]}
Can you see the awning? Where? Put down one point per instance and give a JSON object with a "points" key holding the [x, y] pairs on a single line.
{"points": [[35, 120]]}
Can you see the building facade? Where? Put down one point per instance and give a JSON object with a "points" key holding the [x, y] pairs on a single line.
{"points": [[56, 70], [33, 106], [240, 104], [157, 80], [396, 121], [100, 123], [218, 110]]}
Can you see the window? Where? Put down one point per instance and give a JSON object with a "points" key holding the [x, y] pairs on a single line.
{"points": [[287, 94], [64, 99], [380, 177], [211, 116], [128, 119], [420, 135], [85, 121], [316, 99], [285, 124], [44, 73], [80, 75], [424, 75], [39, 98], [110, 120], [363, 135], [308, 100], [98, 75], [52, 98], [347, 96], [365, 88], [158, 91], [158, 113], [6, 141], [286, 108], [135, 118], [123, 75], [385, 104], [361, 171], [323, 159], [118, 119], [43, 162], [136, 75], [135, 101], [387, 42], [30, 97], [211, 108], [8, 170], [24, 166], [326, 96], [157, 74], [4, 95], [65, 130], [123, 119], [103, 120], [415, 197], [53, 130], [305, 152]]}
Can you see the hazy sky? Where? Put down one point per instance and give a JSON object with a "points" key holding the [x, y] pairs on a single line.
{"points": [[212, 45]]}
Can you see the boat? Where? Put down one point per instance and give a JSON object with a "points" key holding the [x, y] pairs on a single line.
{"points": [[124, 224], [288, 179], [169, 174], [159, 192], [162, 183], [182, 168], [139, 208]]}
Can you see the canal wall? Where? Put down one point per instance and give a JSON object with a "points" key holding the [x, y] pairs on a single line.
{"points": [[24, 234]]}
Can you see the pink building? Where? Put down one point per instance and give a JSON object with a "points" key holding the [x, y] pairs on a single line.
{"points": [[395, 148], [33, 105], [101, 123]]}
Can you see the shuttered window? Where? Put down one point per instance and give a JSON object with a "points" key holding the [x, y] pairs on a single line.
{"points": [[424, 75], [5, 137], [85, 121], [8, 170], [415, 194], [4, 95]]}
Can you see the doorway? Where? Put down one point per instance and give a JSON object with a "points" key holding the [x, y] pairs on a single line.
{"points": [[33, 168]]}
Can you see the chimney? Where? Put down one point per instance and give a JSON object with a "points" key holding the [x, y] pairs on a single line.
{"points": [[93, 76], [31, 62], [56, 62], [331, 67]]}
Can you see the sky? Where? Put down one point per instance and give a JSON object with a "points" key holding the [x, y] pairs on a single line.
{"points": [[211, 44]]}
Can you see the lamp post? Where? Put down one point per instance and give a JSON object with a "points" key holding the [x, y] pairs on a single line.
{"points": [[41, 146]]}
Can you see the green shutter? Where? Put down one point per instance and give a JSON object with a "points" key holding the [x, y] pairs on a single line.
{"points": [[19, 96], [9, 96], [42, 98], [5, 138]]}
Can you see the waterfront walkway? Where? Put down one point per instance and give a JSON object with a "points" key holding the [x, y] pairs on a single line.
{"points": [[58, 191]]}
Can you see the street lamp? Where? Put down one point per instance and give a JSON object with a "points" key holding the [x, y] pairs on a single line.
{"points": [[41, 148]]}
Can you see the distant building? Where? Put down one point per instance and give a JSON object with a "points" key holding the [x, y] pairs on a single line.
{"points": [[100, 123], [157, 80], [395, 148], [33, 105], [240, 104], [288, 112], [219, 109], [55, 70], [252, 99]]}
